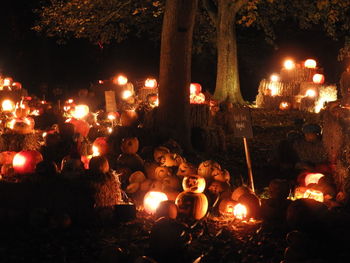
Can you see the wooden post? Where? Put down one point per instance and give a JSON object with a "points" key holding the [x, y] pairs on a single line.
{"points": [[249, 164]]}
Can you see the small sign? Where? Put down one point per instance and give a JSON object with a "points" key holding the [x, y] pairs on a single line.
{"points": [[111, 105], [242, 122]]}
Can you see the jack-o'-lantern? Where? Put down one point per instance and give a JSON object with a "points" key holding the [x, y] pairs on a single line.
{"points": [[22, 111], [285, 105], [156, 172], [240, 211], [81, 126], [167, 209], [185, 169], [152, 200], [137, 177], [252, 203], [299, 192], [206, 168], [239, 191], [226, 207], [100, 146], [192, 205], [313, 178], [159, 154], [221, 175], [195, 88], [171, 160], [314, 194], [129, 118], [193, 184], [7, 157], [130, 145], [24, 162], [219, 188]]}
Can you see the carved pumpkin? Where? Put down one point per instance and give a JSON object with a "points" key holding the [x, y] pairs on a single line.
{"points": [[22, 111], [193, 184], [129, 118], [252, 203], [156, 172], [172, 159], [130, 145], [100, 146], [167, 209], [81, 126], [152, 200], [239, 191], [192, 205], [137, 177], [206, 168], [25, 162], [221, 175], [159, 154], [186, 169], [313, 178], [226, 207], [314, 194]]}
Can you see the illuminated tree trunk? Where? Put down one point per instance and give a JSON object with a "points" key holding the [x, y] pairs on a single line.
{"points": [[227, 77], [175, 70]]}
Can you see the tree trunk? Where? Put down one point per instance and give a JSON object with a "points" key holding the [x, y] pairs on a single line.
{"points": [[227, 78], [175, 70]]}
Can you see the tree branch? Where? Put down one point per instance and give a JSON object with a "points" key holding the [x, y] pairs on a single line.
{"points": [[212, 10]]}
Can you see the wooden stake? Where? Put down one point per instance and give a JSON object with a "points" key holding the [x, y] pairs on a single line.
{"points": [[249, 164]]}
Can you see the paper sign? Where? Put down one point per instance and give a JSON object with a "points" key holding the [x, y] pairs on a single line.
{"points": [[111, 105], [242, 122]]}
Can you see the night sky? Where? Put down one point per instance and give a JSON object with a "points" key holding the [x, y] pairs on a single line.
{"points": [[33, 60]]}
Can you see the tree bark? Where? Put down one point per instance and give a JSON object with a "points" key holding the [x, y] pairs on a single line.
{"points": [[227, 78], [175, 70]]}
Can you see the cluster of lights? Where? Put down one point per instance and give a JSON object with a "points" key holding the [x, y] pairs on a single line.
{"points": [[196, 96]]}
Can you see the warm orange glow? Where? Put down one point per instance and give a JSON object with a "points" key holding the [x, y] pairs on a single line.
{"points": [[120, 80], [152, 200], [274, 78], [195, 88], [289, 64], [8, 105], [7, 82], [229, 209], [310, 63], [18, 160], [109, 130], [284, 105], [318, 78], [310, 93], [126, 94], [314, 194], [150, 83], [197, 99], [240, 211], [95, 151], [80, 111], [111, 116], [100, 82], [273, 89], [313, 178]]}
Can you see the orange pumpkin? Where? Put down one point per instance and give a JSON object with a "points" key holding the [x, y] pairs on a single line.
{"points": [[101, 145], [99, 164], [167, 209], [21, 127], [7, 157], [221, 175], [81, 126], [24, 162], [206, 168], [252, 203], [226, 207], [129, 118], [130, 145], [239, 191], [159, 154], [192, 205], [156, 172], [172, 159], [193, 184], [22, 111], [186, 169]]}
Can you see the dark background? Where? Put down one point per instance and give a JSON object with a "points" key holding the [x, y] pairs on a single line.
{"points": [[37, 61]]}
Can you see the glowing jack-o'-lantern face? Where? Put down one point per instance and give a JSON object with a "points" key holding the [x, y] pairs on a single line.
{"points": [[150, 83], [318, 78], [206, 168], [186, 169], [152, 200], [310, 63], [314, 194], [240, 211], [100, 146], [313, 178], [159, 154], [193, 184], [25, 162], [130, 145], [226, 207], [8, 105]]}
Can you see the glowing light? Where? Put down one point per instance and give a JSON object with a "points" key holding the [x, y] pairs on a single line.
{"points": [[19, 160], [8, 105], [44, 134], [326, 94], [197, 99], [70, 101], [314, 194], [240, 211], [109, 130], [195, 88], [152, 200], [284, 105], [80, 111], [274, 78], [7, 82], [35, 113], [100, 82], [120, 80], [289, 64], [310, 63], [310, 93], [313, 178], [273, 89], [318, 78], [95, 151], [126, 94], [111, 116], [151, 83]]}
